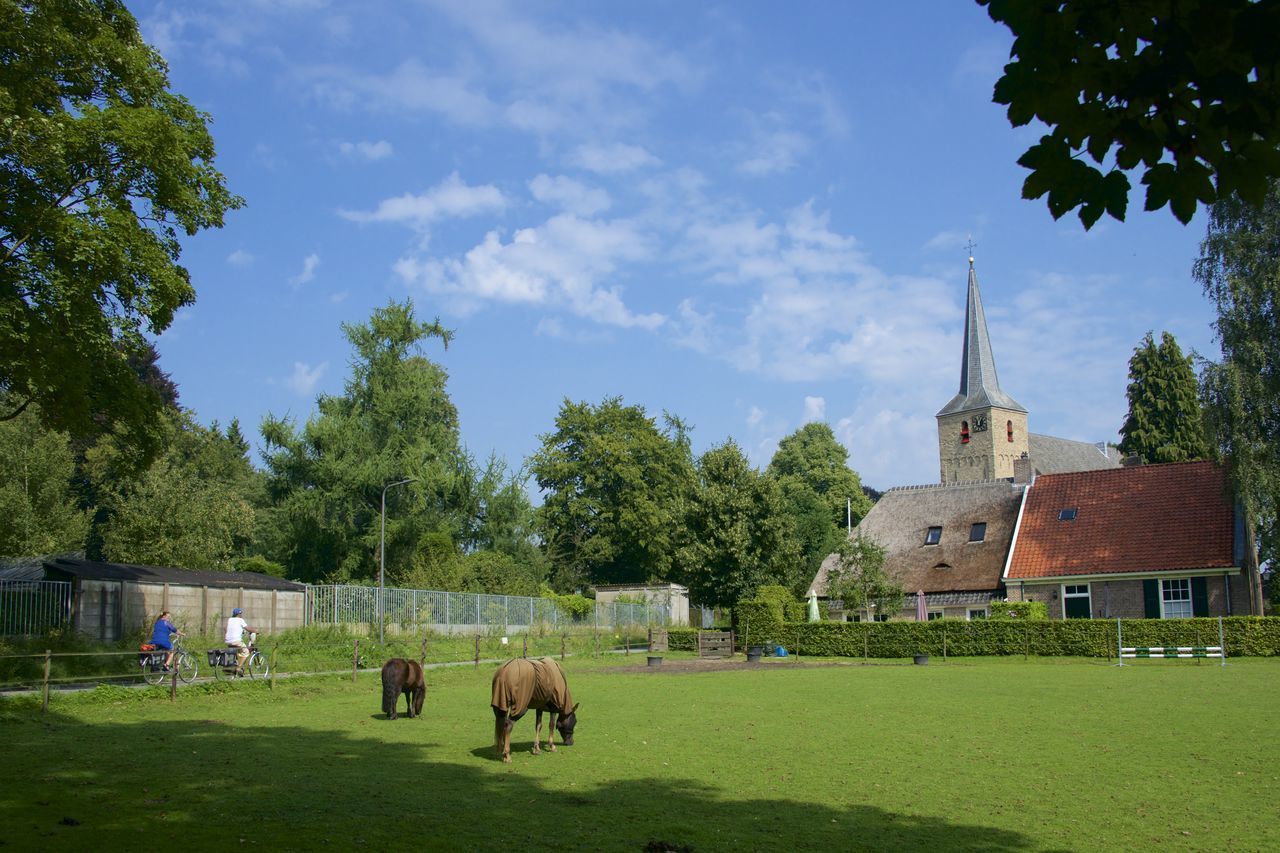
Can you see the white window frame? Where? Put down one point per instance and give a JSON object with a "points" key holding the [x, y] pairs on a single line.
{"points": [[931, 615], [1064, 595], [972, 610], [1191, 609]]}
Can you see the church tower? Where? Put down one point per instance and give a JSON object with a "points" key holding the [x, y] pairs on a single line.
{"points": [[982, 430]]}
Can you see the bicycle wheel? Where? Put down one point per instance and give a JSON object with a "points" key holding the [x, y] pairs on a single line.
{"points": [[153, 673], [187, 667], [256, 666]]}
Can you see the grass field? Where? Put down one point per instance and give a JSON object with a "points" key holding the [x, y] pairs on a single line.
{"points": [[990, 754]]}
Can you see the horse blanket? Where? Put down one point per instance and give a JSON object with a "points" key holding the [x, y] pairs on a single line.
{"points": [[521, 684]]}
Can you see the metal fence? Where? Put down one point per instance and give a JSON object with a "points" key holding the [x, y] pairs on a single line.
{"points": [[33, 607], [448, 612]]}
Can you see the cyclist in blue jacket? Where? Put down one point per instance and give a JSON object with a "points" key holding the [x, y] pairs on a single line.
{"points": [[162, 636]]}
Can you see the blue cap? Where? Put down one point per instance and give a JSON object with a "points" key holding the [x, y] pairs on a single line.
{"points": [[236, 612]]}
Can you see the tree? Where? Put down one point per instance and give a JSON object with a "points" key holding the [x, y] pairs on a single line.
{"points": [[191, 508], [394, 420], [1165, 423], [38, 508], [812, 455], [1239, 267], [616, 487], [816, 534], [102, 169], [859, 580], [739, 535], [1187, 92]]}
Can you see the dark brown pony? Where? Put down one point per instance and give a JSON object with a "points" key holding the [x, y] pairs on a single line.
{"points": [[402, 676], [521, 684]]}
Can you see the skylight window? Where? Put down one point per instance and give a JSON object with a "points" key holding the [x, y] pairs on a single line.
{"points": [[1068, 514], [933, 536], [978, 531]]}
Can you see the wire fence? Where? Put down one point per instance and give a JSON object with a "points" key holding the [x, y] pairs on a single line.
{"points": [[322, 650], [464, 612], [29, 607]]}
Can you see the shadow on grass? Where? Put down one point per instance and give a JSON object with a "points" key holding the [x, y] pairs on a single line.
{"points": [[205, 784]]}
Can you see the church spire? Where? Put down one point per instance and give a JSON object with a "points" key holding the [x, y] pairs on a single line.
{"points": [[979, 385]]}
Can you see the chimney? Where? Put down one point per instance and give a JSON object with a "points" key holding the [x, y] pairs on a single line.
{"points": [[1024, 473]]}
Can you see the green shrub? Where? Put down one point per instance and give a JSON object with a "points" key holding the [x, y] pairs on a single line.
{"points": [[1019, 610], [759, 622], [1245, 636]]}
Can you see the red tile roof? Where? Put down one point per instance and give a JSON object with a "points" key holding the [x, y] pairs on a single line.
{"points": [[1138, 519]]}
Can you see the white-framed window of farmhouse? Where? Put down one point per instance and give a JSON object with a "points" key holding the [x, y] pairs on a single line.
{"points": [[977, 613], [1175, 599], [1076, 603]]}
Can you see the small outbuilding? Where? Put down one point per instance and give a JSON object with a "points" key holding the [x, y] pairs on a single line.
{"points": [[670, 595], [110, 601]]}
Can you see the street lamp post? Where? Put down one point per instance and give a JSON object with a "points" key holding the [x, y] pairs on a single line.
{"points": [[382, 551]]}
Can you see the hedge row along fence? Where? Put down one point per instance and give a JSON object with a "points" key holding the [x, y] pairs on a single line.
{"points": [[1245, 636]]}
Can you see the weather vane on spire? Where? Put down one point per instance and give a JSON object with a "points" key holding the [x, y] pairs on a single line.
{"points": [[970, 246]]}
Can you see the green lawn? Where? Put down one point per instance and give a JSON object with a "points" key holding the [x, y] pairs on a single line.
{"points": [[991, 754]]}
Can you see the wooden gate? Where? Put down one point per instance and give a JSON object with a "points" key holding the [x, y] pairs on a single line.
{"points": [[715, 644], [658, 640]]}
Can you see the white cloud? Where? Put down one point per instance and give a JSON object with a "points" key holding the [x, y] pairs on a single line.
{"points": [[304, 378], [815, 409], [612, 158], [570, 195], [946, 240], [773, 152], [309, 264], [450, 198], [366, 150], [565, 262], [240, 258]]}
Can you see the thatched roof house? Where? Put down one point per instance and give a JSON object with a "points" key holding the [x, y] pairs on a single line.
{"points": [[951, 541]]}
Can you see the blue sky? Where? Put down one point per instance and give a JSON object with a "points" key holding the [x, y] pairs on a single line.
{"points": [[749, 214]]}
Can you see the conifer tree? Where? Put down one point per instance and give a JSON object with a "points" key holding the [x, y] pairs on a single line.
{"points": [[1164, 422]]}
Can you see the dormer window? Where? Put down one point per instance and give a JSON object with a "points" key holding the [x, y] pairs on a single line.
{"points": [[964, 432], [933, 536], [1008, 428]]}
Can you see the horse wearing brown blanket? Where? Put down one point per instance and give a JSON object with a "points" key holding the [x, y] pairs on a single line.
{"points": [[402, 676], [521, 684]]}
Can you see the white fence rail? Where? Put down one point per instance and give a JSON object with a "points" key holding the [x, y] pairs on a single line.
{"points": [[33, 607], [462, 612]]}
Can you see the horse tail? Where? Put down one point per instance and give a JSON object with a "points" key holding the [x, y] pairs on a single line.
{"points": [[392, 684]]}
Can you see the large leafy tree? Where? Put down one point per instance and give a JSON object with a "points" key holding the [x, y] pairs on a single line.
{"points": [[813, 456], [39, 513], [616, 486], [1165, 423], [1186, 92], [192, 508], [1239, 266], [739, 534], [394, 420], [102, 169]]}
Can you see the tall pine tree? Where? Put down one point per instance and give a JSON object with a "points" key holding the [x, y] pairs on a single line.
{"points": [[1164, 422]]}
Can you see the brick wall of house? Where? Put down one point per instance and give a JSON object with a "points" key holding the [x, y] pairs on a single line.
{"points": [[1123, 599]]}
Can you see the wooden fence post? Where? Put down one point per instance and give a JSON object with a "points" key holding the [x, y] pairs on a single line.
{"points": [[355, 661], [173, 683], [477, 651], [423, 660], [44, 706], [525, 652], [272, 680], [563, 637]]}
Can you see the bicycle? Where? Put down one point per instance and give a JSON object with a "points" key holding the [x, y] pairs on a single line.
{"points": [[151, 661], [223, 661]]}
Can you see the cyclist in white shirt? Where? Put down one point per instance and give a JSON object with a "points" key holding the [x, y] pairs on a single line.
{"points": [[236, 626]]}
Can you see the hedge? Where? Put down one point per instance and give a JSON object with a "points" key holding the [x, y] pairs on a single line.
{"points": [[1245, 636]]}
